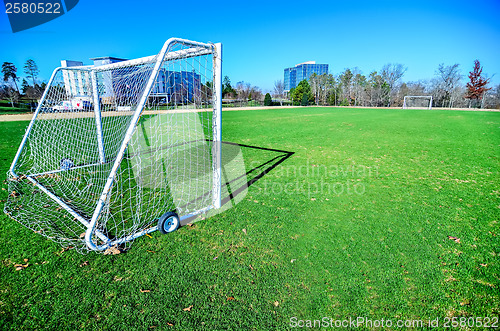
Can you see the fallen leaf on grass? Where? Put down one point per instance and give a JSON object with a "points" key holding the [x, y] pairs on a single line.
{"points": [[251, 268], [84, 263], [117, 279], [190, 224], [244, 231], [65, 249], [188, 308], [483, 264], [457, 240], [21, 266], [82, 235], [230, 298], [112, 251], [145, 291], [276, 303], [170, 324]]}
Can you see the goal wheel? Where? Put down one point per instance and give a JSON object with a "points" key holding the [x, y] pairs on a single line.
{"points": [[168, 222]]}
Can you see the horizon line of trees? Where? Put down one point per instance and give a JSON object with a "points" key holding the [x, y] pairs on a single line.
{"points": [[351, 87], [383, 88]]}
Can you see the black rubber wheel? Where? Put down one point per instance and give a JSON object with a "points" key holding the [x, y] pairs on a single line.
{"points": [[169, 222]]}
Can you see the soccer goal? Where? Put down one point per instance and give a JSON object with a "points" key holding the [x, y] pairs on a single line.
{"points": [[119, 150], [419, 101]]}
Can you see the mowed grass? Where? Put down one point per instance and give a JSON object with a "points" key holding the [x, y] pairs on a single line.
{"points": [[356, 223]]}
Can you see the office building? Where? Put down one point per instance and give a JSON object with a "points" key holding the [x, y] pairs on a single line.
{"points": [[301, 71]]}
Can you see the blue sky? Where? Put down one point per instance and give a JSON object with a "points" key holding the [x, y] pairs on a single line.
{"points": [[261, 38]]}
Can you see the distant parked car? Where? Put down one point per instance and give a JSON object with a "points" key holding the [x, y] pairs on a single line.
{"points": [[68, 105]]}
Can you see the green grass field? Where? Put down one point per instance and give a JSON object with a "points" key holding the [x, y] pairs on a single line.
{"points": [[377, 213], [6, 108]]}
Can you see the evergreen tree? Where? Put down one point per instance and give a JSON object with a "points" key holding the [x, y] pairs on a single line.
{"points": [[31, 69], [24, 86], [305, 100], [227, 89], [268, 101], [298, 93], [9, 70]]}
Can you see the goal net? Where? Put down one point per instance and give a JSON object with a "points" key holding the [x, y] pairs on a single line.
{"points": [[111, 148], [417, 102]]}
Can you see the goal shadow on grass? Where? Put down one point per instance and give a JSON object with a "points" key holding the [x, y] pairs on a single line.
{"points": [[263, 161], [241, 166]]}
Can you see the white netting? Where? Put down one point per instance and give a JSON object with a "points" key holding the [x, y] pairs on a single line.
{"points": [[421, 102], [167, 165]]}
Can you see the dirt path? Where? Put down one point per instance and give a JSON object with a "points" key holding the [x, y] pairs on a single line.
{"points": [[29, 116]]}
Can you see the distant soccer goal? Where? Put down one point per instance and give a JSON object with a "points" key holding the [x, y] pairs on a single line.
{"points": [[417, 102], [117, 151]]}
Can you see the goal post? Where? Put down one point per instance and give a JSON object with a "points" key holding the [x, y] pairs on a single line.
{"points": [[114, 150], [417, 102]]}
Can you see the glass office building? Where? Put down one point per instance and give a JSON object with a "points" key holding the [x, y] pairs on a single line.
{"points": [[294, 75]]}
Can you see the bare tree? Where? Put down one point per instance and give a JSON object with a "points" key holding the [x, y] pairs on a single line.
{"points": [[409, 88], [334, 90], [34, 93], [9, 93], [279, 90], [359, 85], [378, 90], [247, 92], [447, 84], [315, 87], [392, 73], [326, 83], [345, 80], [493, 98], [243, 90]]}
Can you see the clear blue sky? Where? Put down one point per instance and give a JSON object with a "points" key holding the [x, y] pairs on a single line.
{"points": [[261, 38]]}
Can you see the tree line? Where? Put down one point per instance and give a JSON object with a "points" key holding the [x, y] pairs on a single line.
{"points": [[30, 88], [383, 88]]}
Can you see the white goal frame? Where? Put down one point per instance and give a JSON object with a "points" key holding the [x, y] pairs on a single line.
{"points": [[405, 105], [95, 238]]}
